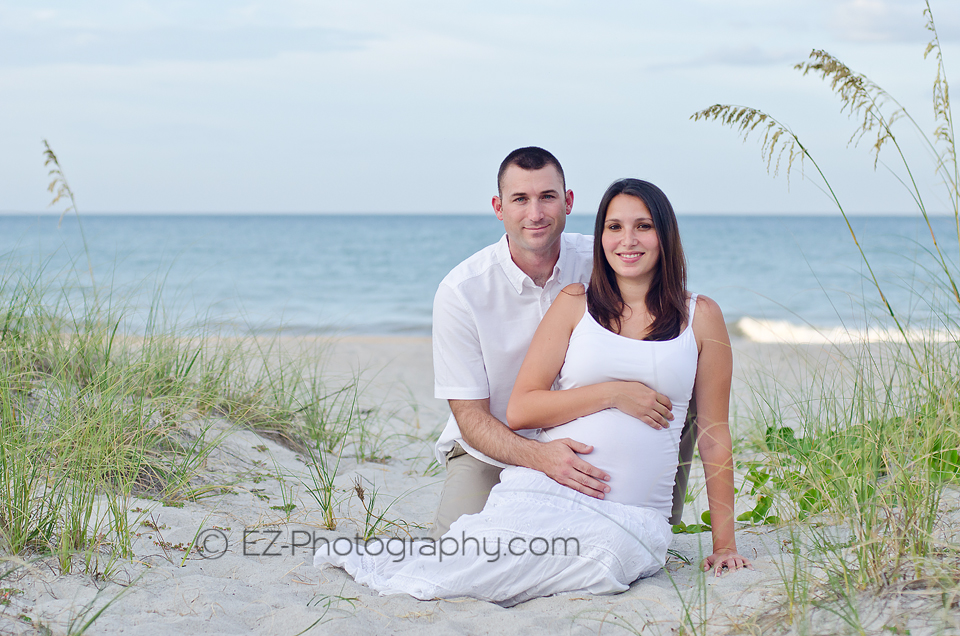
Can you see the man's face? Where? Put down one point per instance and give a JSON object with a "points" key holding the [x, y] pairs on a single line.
{"points": [[533, 208]]}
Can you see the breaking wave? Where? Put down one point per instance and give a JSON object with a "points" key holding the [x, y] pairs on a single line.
{"points": [[782, 331]]}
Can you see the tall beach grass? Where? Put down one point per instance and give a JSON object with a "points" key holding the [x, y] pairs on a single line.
{"points": [[93, 414], [860, 464]]}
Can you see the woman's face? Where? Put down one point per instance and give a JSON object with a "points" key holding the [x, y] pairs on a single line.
{"points": [[629, 238]]}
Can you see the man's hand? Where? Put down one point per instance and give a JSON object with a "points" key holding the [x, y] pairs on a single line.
{"points": [[642, 402], [560, 461]]}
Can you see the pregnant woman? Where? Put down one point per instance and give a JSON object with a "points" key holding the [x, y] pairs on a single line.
{"points": [[635, 322]]}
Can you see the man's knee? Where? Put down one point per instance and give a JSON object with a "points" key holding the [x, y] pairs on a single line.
{"points": [[465, 489]]}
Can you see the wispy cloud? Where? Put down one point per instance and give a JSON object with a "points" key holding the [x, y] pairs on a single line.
{"points": [[734, 56], [29, 47], [891, 20]]}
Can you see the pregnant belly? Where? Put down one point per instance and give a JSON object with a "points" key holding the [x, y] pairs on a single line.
{"points": [[642, 462]]}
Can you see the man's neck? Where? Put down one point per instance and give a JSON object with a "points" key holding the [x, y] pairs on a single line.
{"points": [[537, 265]]}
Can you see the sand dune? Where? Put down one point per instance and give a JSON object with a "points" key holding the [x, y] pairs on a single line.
{"points": [[262, 583]]}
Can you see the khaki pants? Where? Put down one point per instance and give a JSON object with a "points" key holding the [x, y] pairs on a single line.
{"points": [[465, 490]]}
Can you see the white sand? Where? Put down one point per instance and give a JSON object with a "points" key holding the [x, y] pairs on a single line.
{"points": [[255, 593]]}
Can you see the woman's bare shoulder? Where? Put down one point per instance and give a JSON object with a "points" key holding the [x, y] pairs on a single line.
{"points": [[709, 306], [708, 318], [570, 303]]}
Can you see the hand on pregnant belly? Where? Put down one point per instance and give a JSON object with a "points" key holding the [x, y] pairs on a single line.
{"points": [[559, 459], [643, 403], [641, 461]]}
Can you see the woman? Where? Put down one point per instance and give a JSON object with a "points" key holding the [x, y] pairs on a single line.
{"points": [[636, 323]]}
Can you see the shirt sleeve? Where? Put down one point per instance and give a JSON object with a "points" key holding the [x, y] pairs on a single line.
{"points": [[458, 368]]}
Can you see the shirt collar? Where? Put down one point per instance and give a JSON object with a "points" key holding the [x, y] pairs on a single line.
{"points": [[563, 258], [517, 276]]}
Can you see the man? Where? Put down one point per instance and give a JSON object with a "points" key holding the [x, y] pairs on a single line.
{"points": [[484, 316]]}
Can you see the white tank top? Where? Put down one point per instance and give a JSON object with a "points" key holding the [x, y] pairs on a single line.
{"points": [[642, 462]]}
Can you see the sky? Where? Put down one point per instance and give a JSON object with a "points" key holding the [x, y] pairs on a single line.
{"points": [[294, 106]]}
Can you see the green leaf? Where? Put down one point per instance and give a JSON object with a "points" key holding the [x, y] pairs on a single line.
{"points": [[763, 505]]}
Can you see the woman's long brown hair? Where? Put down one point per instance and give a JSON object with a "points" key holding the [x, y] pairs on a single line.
{"points": [[667, 297]]}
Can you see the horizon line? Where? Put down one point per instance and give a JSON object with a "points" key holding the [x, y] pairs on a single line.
{"points": [[831, 213]]}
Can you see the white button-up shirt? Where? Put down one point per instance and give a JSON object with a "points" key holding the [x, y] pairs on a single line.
{"points": [[484, 316]]}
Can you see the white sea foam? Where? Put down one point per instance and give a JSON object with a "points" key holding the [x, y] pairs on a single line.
{"points": [[782, 331]]}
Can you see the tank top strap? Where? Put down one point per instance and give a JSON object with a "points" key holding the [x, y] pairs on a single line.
{"points": [[691, 309]]}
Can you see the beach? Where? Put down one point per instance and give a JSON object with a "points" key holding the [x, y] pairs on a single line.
{"points": [[216, 357], [256, 575]]}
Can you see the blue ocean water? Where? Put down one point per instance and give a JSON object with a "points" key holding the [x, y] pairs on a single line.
{"points": [[377, 274]]}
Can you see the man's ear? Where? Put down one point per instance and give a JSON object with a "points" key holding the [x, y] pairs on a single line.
{"points": [[569, 200], [498, 207]]}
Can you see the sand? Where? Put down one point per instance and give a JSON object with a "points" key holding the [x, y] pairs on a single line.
{"points": [[263, 588]]}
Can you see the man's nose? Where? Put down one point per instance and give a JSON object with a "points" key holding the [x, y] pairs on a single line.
{"points": [[537, 210]]}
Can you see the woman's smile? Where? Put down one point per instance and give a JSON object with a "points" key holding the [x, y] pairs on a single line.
{"points": [[630, 257]]}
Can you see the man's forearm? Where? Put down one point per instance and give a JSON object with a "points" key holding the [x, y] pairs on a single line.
{"points": [[559, 459], [493, 438]]}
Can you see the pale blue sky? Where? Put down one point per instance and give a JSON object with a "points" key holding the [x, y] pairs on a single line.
{"points": [[378, 106]]}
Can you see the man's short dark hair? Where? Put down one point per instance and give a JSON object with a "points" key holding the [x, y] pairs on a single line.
{"points": [[529, 158]]}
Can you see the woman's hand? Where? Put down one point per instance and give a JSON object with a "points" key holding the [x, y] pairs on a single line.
{"points": [[640, 401], [728, 560], [534, 405]]}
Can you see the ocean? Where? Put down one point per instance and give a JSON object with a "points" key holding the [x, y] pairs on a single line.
{"points": [[787, 278]]}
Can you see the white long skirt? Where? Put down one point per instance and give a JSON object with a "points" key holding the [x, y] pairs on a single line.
{"points": [[533, 538]]}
